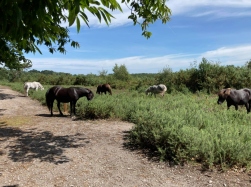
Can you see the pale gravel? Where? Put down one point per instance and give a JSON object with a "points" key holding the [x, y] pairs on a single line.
{"points": [[59, 151]]}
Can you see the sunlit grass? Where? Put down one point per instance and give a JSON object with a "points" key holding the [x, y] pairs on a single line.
{"points": [[178, 127]]}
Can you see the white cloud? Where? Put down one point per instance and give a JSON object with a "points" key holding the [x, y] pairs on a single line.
{"points": [[236, 55], [136, 64], [222, 14], [184, 6]]}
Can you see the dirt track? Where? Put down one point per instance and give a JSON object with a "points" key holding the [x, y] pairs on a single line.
{"points": [[39, 150]]}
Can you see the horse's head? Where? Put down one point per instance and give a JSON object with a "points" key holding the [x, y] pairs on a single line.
{"points": [[89, 95], [38, 85], [41, 87]]}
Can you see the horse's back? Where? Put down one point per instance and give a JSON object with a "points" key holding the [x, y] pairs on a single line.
{"points": [[64, 95], [33, 84], [156, 89], [104, 88], [52, 91], [107, 87]]}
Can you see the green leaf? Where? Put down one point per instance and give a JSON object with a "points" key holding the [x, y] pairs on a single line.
{"points": [[84, 17], [78, 24], [98, 15], [72, 16], [104, 17]]}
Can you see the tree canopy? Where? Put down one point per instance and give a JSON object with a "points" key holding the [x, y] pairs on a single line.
{"points": [[26, 24]]}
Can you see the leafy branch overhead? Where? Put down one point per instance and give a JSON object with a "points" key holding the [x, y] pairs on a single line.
{"points": [[26, 24]]}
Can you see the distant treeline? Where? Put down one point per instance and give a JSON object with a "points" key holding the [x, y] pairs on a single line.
{"points": [[206, 77]]}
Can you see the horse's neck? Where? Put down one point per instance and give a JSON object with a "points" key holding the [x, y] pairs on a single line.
{"points": [[39, 85], [81, 93]]}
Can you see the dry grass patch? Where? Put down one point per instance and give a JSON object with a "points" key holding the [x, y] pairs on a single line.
{"points": [[16, 121]]}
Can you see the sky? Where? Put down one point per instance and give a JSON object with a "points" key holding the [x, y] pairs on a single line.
{"points": [[218, 30]]}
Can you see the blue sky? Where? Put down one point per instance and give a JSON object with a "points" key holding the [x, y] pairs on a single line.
{"points": [[219, 30]]}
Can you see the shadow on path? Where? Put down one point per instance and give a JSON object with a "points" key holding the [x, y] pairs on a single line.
{"points": [[4, 96], [49, 115], [42, 145]]}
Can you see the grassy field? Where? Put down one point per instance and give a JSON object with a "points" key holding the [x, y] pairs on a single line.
{"points": [[177, 127]]}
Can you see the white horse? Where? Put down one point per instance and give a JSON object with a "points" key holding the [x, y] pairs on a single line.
{"points": [[32, 85], [156, 89]]}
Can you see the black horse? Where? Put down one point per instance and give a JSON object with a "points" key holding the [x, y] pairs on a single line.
{"points": [[66, 95]]}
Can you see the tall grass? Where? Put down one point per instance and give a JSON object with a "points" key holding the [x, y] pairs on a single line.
{"points": [[178, 127]]}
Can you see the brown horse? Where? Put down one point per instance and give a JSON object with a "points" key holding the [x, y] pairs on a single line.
{"points": [[66, 95], [104, 88]]}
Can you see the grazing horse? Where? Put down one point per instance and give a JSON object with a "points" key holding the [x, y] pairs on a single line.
{"points": [[66, 95], [33, 85], [104, 88], [235, 97], [156, 89]]}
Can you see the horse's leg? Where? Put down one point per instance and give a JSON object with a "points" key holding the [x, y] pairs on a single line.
{"points": [[247, 107], [27, 90], [74, 107], [236, 107], [59, 109], [71, 105]]}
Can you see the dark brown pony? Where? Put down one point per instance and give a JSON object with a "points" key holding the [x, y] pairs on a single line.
{"points": [[104, 88], [66, 95]]}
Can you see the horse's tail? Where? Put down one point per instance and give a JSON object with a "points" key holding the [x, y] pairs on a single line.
{"points": [[48, 101]]}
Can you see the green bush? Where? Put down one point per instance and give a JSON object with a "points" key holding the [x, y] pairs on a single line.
{"points": [[177, 127]]}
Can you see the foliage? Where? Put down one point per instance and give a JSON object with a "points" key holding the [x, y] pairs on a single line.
{"points": [[182, 128], [80, 80], [177, 127], [248, 64], [26, 24], [208, 77], [166, 77], [120, 72]]}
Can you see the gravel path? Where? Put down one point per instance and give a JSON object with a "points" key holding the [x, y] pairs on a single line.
{"points": [[39, 150]]}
